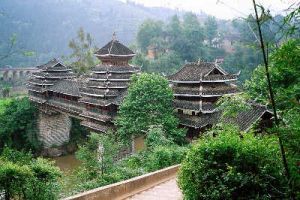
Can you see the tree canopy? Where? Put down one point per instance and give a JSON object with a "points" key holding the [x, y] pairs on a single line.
{"points": [[82, 55], [284, 71], [148, 102]]}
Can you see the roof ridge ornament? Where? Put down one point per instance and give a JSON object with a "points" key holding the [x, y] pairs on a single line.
{"points": [[114, 36], [199, 61]]}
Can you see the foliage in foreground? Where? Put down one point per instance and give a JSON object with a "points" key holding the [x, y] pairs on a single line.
{"points": [[22, 177], [18, 122], [289, 130], [231, 166], [102, 169], [284, 72], [149, 102]]}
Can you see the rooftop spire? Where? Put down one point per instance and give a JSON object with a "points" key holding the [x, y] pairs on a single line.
{"points": [[114, 36]]}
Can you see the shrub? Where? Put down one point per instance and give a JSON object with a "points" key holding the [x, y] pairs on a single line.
{"points": [[229, 166], [156, 136], [22, 177], [92, 162], [164, 156], [13, 178], [18, 122]]}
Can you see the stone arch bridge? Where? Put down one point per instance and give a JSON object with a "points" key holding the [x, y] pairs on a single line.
{"points": [[14, 74]]}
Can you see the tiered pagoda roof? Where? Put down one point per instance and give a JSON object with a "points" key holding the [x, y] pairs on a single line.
{"points": [[114, 48], [48, 75], [107, 85], [198, 86]]}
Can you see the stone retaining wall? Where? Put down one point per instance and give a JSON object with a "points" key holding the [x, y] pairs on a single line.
{"points": [[124, 189]]}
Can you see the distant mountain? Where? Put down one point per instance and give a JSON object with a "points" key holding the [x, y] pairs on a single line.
{"points": [[46, 26]]}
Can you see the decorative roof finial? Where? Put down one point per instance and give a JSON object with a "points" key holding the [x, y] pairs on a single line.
{"points": [[199, 61], [114, 36]]}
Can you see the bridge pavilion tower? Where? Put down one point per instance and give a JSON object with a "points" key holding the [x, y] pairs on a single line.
{"points": [[197, 87], [107, 85]]}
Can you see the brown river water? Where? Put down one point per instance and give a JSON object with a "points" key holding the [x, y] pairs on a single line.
{"points": [[67, 163]]}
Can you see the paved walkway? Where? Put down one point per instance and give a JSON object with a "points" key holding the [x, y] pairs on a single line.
{"points": [[164, 191]]}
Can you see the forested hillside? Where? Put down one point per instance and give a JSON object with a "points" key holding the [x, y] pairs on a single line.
{"points": [[46, 27], [190, 38]]}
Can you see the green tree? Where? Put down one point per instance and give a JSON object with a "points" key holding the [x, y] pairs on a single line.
{"points": [[148, 31], [211, 29], [6, 92], [97, 155], [82, 56], [156, 136], [193, 37], [18, 123], [284, 70], [22, 177], [228, 166], [149, 102]]}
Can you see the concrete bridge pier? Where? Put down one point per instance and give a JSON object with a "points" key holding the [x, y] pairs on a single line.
{"points": [[54, 129]]}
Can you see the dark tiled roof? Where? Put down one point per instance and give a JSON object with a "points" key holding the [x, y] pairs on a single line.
{"points": [[65, 106], [115, 68], [35, 88], [37, 99], [97, 116], [247, 118], [197, 91], [95, 101], [114, 47], [220, 77], [56, 75], [48, 64], [199, 71], [244, 119], [99, 92], [111, 76], [120, 98], [68, 87], [36, 81], [199, 121], [53, 65], [192, 71], [186, 90], [95, 126], [108, 84], [189, 105]]}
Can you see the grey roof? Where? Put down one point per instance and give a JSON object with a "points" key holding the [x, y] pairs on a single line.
{"points": [[199, 71], [68, 87], [114, 47], [115, 68], [193, 105], [244, 119], [58, 75], [96, 126], [53, 65]]}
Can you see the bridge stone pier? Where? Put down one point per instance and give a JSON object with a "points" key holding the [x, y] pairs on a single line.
{"points": [[54, 129]]}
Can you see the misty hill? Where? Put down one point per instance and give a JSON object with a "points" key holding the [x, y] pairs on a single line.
{"points": [[47, 26]]}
